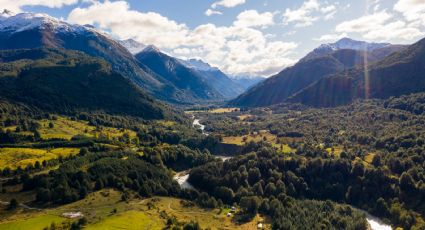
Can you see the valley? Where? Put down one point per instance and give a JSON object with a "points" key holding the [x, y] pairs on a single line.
{"points": [[102, 128]]}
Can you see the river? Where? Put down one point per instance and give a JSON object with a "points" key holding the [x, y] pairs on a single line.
{"points": [[182, 177], [197, 124], [375, 223]]}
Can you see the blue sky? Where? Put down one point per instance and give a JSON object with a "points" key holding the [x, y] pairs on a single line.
{"points": [[242, 37]]}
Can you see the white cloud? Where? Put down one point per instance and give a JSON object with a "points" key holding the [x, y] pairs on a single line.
{"points": [[412, 10], [16, 5], [303, 15], [228, 3], [380, 26], [309, 12], [210, 12], [251, 18], [149, 28], [236, 49], [331, 37], [364, 23]]}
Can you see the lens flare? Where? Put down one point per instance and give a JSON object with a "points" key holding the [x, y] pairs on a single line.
{"points": [[366, 62]]}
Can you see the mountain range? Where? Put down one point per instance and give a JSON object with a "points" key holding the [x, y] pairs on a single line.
{"points": [[398, 74], [29, 30], [332, 74], [324, 61], [66, 81]]}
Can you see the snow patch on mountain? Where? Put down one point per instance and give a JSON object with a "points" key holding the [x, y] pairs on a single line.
{"points": [[198, 64], [347, 43], [344, 43], [132, 46]]}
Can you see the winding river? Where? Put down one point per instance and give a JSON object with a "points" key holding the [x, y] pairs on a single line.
{"points": [[182, 178]]}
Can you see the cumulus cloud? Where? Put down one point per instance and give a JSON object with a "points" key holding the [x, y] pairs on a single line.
{"points": [[331, 37], [210, 12], [309, 12], [228, 3], [149, 28], [237, 49], [16, 5], [380, 26], [251, 18], [412, 10]]}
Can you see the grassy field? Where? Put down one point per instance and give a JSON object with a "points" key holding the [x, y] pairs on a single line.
{"points": [[38, 221], [369, 157], [217, 110], [105, 210], [256, 137], [213, 219], [65, 128], [336, 150], [129, 220], [263, 135], [14, 157], [224, 110]]}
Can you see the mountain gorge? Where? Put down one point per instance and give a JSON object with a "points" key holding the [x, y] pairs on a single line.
{"points": [[216, 78], [183, 83]]}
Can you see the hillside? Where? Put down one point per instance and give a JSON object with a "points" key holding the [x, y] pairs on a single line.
{"points": [[182, 82], [399, 74], [315, 66], [66, 81], [29, 30], [216, 78]]}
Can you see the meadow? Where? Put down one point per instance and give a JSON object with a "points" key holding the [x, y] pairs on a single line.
{"points": [[65, 128], [21, 157], [105, 210]]}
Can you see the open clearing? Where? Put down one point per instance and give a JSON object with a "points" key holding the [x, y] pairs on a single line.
{"points": [[15, 157], [31, 222], [105, 210], [260, 136], [65, 128], [224, 110]]}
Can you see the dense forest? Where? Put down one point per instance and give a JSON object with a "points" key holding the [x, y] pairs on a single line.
{"points": [[301, 166]]}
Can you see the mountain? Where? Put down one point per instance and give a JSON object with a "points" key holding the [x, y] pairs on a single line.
{"points": [[132, 46], [215, 77], [313, 67], [62, 81], [398, 74], [247, 82], [29, 30], [185, 84], [345, 43]]}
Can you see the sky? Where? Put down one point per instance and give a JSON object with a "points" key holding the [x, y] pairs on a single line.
{"points": [[241, 37]]}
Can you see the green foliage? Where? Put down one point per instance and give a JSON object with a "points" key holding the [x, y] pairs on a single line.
{"points": [[68, 81]]}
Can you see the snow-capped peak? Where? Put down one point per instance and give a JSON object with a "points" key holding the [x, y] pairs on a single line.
{"points": [[344, 43], [27, 21], [348, 43], [198, 64], [151, 48], [132, 46]]}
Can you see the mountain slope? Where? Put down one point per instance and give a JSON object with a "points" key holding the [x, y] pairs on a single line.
{"points": [[185, 83], [67, 81], [345, 43], [28, 30], [215, 77], [398, 74], [132, 46], [308, 70]]}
